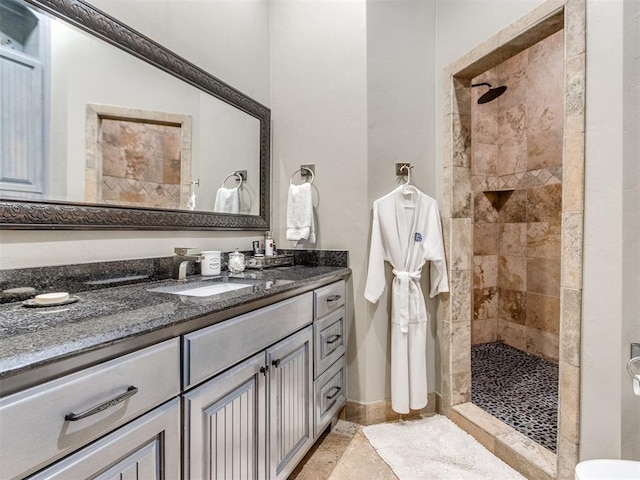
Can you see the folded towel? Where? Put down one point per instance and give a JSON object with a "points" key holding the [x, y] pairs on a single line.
{"points": [[227, 200], [191, 204], [300, 223]]}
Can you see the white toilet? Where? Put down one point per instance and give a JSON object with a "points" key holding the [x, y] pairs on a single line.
{"points": [[603, 469]]}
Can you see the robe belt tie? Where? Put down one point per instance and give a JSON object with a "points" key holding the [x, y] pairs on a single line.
{"points": [[404, 280]]}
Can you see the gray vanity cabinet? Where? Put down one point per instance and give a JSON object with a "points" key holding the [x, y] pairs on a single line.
{"points": [[146, 449], [225, 424], [253, 419], [290, 402], [329, 327], [84, 415]]}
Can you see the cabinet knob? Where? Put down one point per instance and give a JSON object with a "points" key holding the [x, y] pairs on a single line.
{"points": [[264, 370], [276, 363]]}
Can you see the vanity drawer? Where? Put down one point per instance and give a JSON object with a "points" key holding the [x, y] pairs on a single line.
{"points": [[329, 338], [329, 298], [330, 395], [37, 427], [213, 349]]}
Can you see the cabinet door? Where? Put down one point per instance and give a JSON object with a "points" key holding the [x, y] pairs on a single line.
{"points": [[146, 449], [290, 402], [225, 424]]}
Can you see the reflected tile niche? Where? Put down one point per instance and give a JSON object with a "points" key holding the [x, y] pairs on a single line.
{"points": [[137, 158]]}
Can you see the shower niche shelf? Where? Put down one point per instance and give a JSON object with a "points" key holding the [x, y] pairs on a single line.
{"points": [[498, 197]]}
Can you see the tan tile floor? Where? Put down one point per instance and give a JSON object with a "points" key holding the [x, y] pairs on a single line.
{"points": [[343, 454]]}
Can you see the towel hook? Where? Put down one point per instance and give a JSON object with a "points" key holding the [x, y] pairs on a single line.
{"points": [[234, 174], [408, 169], [300, 170]]}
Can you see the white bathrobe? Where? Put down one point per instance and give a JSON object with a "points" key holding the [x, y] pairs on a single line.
{"points": [[406, 233]]}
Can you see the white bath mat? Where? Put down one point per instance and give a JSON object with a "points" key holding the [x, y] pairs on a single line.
{"points": [[435, 448]]}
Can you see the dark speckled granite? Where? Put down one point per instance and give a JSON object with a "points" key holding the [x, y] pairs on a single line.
{"points": [[94, 276], [84, 276], [34, 337]]}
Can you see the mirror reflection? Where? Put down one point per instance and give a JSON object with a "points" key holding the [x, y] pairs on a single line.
{"points": [[86, 122]]}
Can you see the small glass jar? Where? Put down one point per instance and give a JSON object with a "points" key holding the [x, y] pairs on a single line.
{"points": [[236, 262]]}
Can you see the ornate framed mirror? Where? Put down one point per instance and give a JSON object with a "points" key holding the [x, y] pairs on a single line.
{"points": [[91, 186]]}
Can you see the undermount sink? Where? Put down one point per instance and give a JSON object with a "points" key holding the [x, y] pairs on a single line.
{"points": [[206, 291]]}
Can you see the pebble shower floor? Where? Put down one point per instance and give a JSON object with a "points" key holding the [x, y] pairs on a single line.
{"points": [[518, 388]]}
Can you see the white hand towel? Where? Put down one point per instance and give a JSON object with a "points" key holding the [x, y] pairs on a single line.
{"points": [[227, 200], [300, 223]]}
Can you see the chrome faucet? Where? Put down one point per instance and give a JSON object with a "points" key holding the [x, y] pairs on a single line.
{"points": [[181, 260]]}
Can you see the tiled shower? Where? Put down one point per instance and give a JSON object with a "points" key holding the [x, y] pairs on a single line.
{"points": [[516, 175]]}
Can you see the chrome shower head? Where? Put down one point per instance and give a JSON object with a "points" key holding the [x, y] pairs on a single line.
{"points": [[491, 94]]}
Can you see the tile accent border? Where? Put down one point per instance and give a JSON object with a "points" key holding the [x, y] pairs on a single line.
{"points": [[458, 186]]}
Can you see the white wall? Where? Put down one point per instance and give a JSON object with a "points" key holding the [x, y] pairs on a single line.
{"points": [[610, 413], [401, 128], [227, 38], [319, 111]]}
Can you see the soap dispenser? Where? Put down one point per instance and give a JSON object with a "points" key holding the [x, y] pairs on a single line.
{"points": [[268, 245]]}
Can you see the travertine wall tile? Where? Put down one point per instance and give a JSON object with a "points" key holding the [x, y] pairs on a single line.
{"points": [[461, 192], [461, 347], [447, 142], [485, 159], [512, 334], [571, 304], [461, 241], [573, 175], [544, 204], [543, 276], [513, 239], [542, 344], [572, 250], [485, 239], [512, 157], [461, 388], [544, 239], [575, 95], [512, 306], [485, 303], [569, 402], [461, 294], [484, 331], [512, 272], [447, 192], [461, 140], [484, 208], [513, 206], [485, 271], [575, 27], [543, 313], [462, 96]]}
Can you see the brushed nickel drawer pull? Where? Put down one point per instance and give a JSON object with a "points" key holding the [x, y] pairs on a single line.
{"points": [[335, 391], [333, 298], [72, 417], [333, 339]]}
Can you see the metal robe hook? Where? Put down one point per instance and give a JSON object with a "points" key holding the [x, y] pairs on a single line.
{"points": [[404, 167]]}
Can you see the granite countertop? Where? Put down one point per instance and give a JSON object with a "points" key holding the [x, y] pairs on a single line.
{"points": [[40, 337]]}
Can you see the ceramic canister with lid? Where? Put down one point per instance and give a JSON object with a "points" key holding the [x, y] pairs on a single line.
{"points": [[210, 263]]}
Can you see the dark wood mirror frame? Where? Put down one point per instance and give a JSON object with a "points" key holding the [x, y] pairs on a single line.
{"points": [[25, 214]]}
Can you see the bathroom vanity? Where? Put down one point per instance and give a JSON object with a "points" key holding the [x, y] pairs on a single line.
{"points": [[166, 385]]}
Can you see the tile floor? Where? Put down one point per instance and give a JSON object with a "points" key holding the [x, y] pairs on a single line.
{"points": [[343, 454], [518, 388]]}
